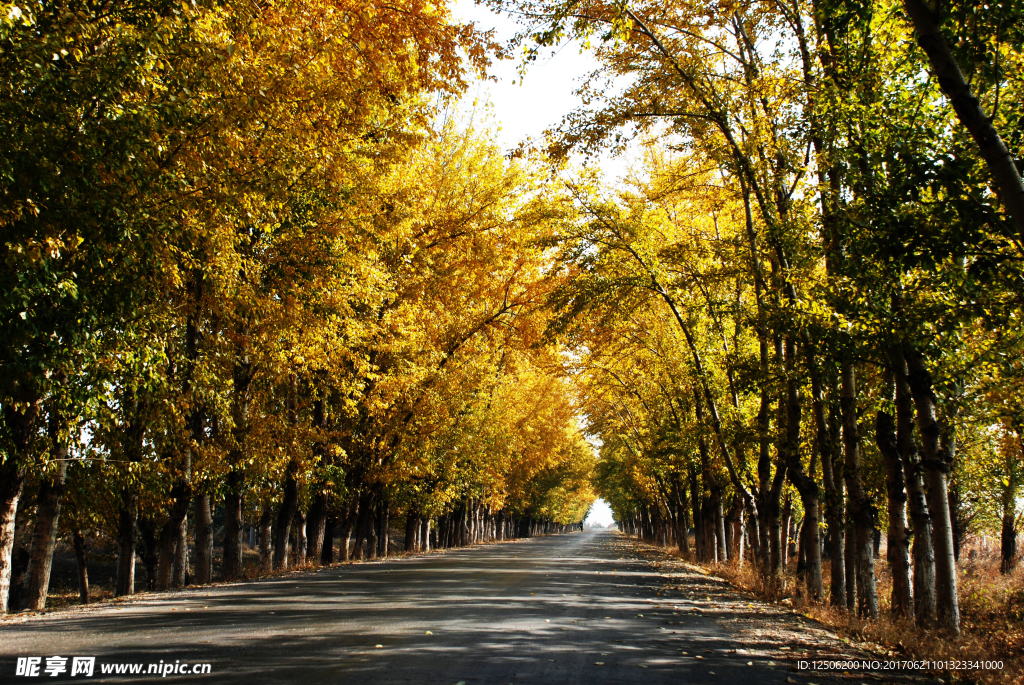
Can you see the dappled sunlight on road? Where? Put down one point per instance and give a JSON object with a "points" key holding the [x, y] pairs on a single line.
{"points": [[574, 608]]}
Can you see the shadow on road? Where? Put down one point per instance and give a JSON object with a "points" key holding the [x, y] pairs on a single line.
{"points": [[563, 609]]}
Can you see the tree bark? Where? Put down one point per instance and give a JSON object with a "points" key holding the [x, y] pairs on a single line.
{"points": [[1008, 534], [234, 526], [299, 525], [384, 521], [787, 518], [937, 462], [833, 493], [22, 425], [327, 547], [285, 516], [172, 533], [345, 533], [920, 518], [204, 539], [83, 569], [179, 568], [266, 554], [12, 483], [863, 522], [127, 518], [804, 482], [365, 513], [317, 515], [290, 498], [412, 526], [898, 537], [850, 557], [44, 536], [316, 527]]}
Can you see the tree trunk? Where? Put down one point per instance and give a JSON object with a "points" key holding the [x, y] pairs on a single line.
{"points": [[825, 445], [739, 530], [127, 517], [345, 534], [316, 527], [810, 541], [150, 549], [83, 569], [234, 526], [365, 513], [172, 533], [266, 520], [44, 536], [784, 530], [285, 516], [372, 538], [860, 511], [898, 537], [850, 557], [300, 537], [1008, 534], [204, 539], [290, 498], [384, 523], [922, 553], [22, 425], [682, 517], [776, 543], [12, 483], [723, 551], [412, 526], [179, 569], [317, 515], [937, 463], [327, 548]]}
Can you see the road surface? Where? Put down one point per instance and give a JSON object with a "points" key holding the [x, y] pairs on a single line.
{"points": [[576, 608]]}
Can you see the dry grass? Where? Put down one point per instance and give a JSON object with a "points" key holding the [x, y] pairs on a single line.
{"points": [[991, 613]]}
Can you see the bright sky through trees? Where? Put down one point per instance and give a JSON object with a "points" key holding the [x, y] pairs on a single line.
{"points": [[600, 514], [525, 107]]}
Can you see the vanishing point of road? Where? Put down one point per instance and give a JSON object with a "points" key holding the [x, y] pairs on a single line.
{"points": [[582, 608]]}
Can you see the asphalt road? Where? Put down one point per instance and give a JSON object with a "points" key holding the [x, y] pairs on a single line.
{"points": [[575, 608]]}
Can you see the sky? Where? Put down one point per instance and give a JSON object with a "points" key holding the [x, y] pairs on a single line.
{"points": [[525, 107], [600, 514]]}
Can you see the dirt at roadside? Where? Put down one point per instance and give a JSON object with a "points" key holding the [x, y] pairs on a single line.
{"points": [[770, 631]]}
